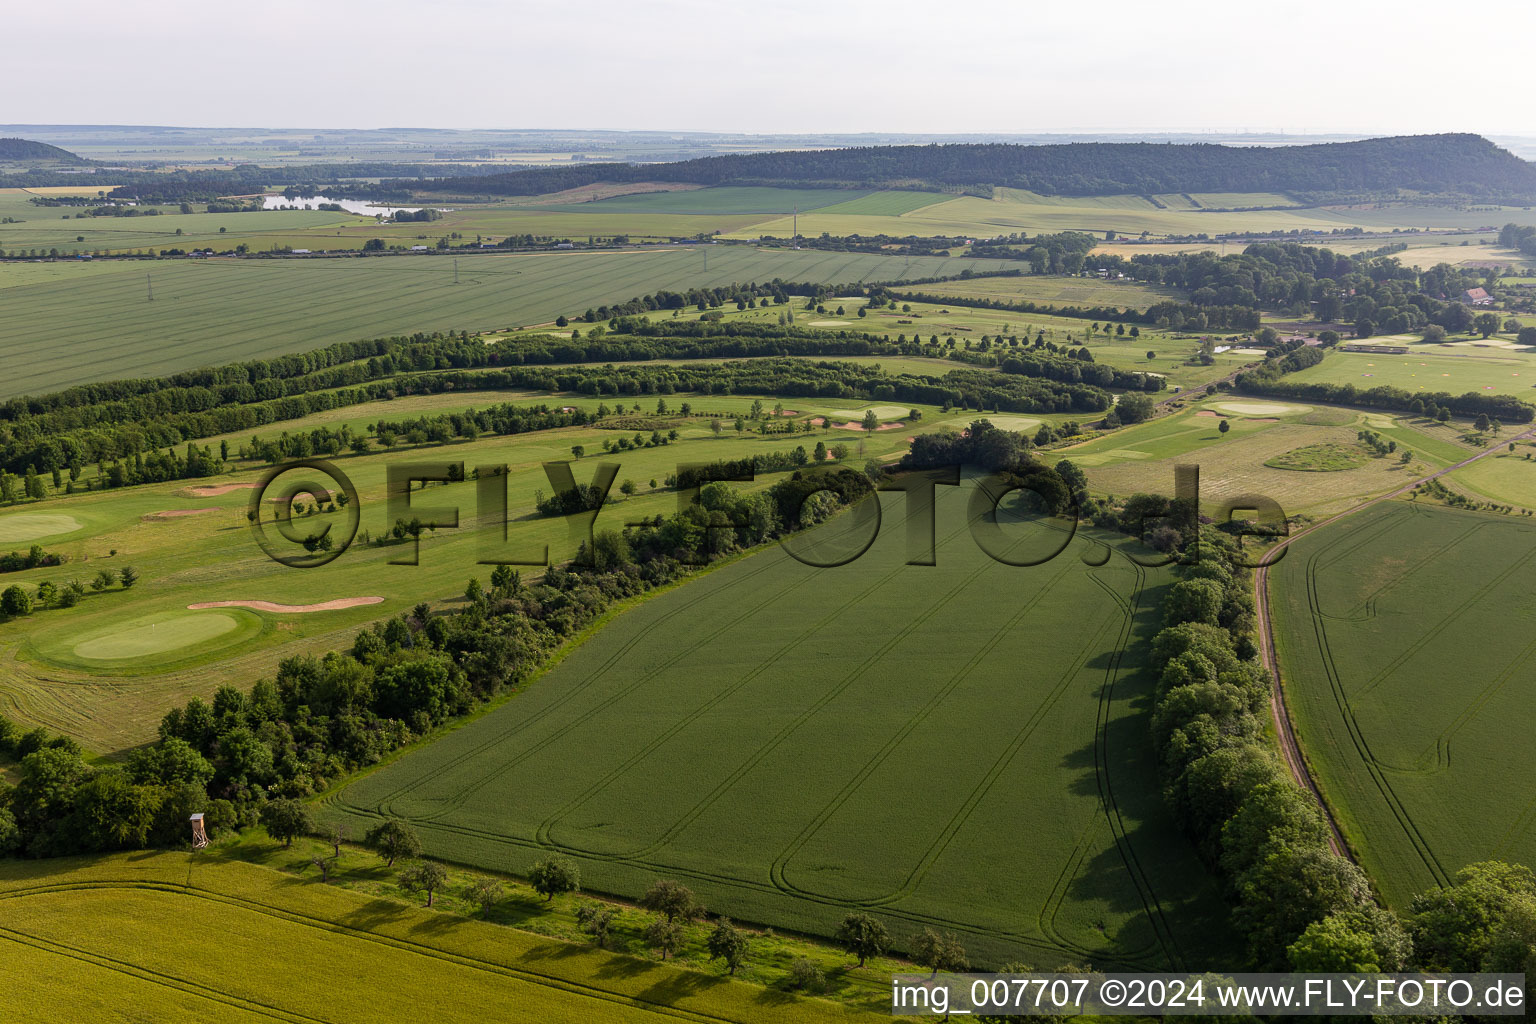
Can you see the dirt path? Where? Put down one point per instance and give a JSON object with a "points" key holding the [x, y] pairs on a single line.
{"points": [[1284, 732]]}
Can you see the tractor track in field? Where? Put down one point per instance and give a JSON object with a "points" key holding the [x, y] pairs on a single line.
{"points": [[1285, 732]]}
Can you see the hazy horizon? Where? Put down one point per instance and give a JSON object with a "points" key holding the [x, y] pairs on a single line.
{"points": [[978, 66]]}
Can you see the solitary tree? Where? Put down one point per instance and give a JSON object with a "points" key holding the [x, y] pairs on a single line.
{"points": [[577, 451], [673, 899], [551, 878], [324, 864], [728, 943], [1486, 324], [127, 576], [427, 876], [1224, 426], [485, 893], [596, 919], [1151, 355], [863, 936], [393, 839], [871, 421], [665, 934], [15, 601], [938, 952], [285, 819]]}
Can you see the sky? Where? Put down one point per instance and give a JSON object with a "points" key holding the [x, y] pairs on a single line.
{"points": [[785, 66]]}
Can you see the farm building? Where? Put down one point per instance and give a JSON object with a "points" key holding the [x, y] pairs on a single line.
{"points": [[1477, 297]]}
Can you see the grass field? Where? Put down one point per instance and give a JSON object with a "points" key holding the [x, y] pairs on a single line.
{"points": [[107, 670], [749, 732], [1327, 457], [1061, 291], [1495, 366], [1405, 651], [175, 937], [1506, 477], [1141, 458], [86, 323]]}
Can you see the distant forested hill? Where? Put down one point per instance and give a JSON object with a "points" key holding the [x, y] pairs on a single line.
{"points": [[1459, 164], [25, 151]]}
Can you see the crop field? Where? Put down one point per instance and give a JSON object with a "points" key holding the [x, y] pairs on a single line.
{"points": [[750, 732], [66, 328], [1495, 366], [1141, 458], [158, 936], [106, 670], [1063, 291], [1405, 649], [738, 200], [1014, 210]]}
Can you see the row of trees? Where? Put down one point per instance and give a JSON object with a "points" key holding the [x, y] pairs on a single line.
{"points": [[1269, 380], [1300, 905]]}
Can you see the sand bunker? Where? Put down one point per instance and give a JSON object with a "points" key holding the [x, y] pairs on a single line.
{"points": [[856, 425], [214, 490], [176, 513], [270, 606]]}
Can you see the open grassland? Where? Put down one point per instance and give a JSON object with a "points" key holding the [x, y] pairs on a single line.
{"points": [[190, 937], [1141, 459], [1495, 366], [1405, 648], [87, 672], [88, 323], [1061, 291], [750, 731]]}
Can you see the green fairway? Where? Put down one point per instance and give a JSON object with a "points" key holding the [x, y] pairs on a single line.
{"points": [[1403, 641], [29, 526], [1057, 291], [752, 732], [1508, 477], [1494, 367], [159, 936], [70, 329], [161, 634]]}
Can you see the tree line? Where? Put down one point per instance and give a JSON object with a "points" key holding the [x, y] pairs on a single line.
{"points": [[1460, 164], [1299, 905]]}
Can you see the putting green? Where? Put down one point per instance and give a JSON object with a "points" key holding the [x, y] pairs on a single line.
{"points": [[157, 634], [27, 526], [885, 412], [1262, 408]]}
